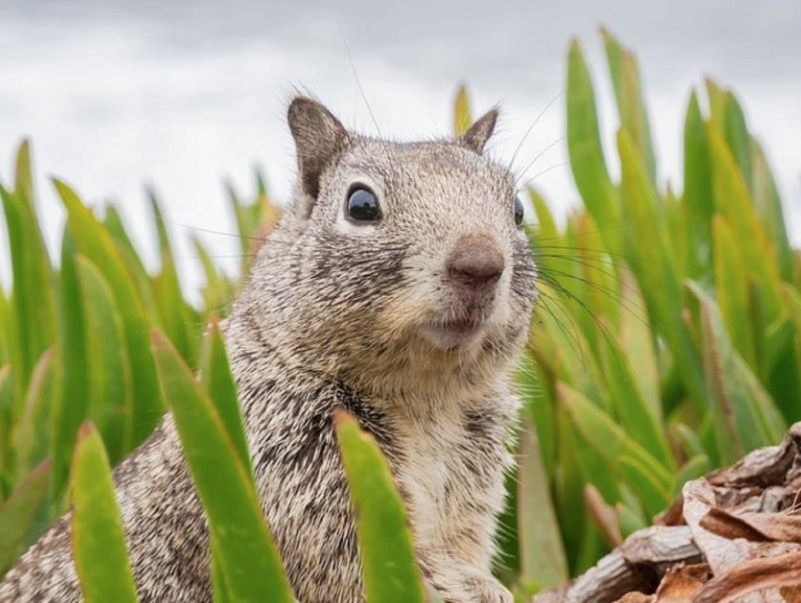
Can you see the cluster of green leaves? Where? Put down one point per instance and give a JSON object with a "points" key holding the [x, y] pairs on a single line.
{"points": [[666, 341], [667, 338], [74, 343]]}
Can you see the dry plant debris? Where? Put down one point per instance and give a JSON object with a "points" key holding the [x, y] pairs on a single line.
{"points": [[733, 536]]}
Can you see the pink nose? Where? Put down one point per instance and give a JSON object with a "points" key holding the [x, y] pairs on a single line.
{"points": [[475, 265]]}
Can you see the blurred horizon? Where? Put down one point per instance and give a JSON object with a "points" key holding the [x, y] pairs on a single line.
{"points": [[116, 96]]}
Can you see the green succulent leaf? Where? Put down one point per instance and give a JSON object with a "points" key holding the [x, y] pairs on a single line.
{"points": [[585, 149], [17, 514], [242, 541], [542, 555], [97, 245], [611, 443], [462, 119], [390, 571], [110, 376], [98, 540]]}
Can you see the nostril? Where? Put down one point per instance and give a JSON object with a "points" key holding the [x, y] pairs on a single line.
{"points": [[476, 262], [476, 274]]}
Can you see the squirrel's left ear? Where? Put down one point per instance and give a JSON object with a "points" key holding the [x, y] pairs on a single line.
{"points": [[479, 133], [320, 139]]}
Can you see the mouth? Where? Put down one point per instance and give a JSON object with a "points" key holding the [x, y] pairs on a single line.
{"points": [[453, 334]]}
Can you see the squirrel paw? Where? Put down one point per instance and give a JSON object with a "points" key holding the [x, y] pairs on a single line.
{"points": [[489, 590], [475, 589]]}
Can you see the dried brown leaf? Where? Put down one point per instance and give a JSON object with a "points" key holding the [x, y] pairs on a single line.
{"points": [[783, 527], [636, 598], [673, 515], [605, 517], [730, 526], [765, 466], [752, 576], [681, 582]]}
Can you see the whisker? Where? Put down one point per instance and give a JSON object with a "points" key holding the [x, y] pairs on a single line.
{"points": [[599, 267], [363, 94], [631, 306], [538, 155], [573, 339], [531, 128], [599, 322], [540, 173], [206, 230], [217, 257]]}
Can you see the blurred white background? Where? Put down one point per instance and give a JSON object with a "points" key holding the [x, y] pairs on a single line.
{"points": [[183, 94]]}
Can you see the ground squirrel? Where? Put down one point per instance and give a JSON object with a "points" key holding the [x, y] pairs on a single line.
{"points": [[398, 285]]}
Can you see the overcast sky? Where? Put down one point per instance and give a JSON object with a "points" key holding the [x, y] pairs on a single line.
{"points": [[184, 94]]}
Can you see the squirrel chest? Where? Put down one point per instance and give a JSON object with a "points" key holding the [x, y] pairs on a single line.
{"points": [[450, 467]]}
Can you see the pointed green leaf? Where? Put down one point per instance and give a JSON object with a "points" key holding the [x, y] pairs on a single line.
{"points": [[221, 388], [542, 553], [698, 197], [690, 441], [98, 540], [6, 330], [636, 340], [35, 318], [568, 488], [614, 59], [462, 119], [597, 284], [23, 176], [657, 278], [251, 220], [390, 571], [110, 378], [6, 425], [654, 497], [168, 294], [113, 222], [628, 94], [32, 438], [546, 229], [737, 137], [97, 245], [606, 437], [736, 205], [769, 208], [568, 353], [717, 103], [220, 590], [694, 468], [248, 557], [585, 149], [75, 370], [219, 289], [18, 512], [793, 298], [744, 415], [635, 416], [732, 290]]}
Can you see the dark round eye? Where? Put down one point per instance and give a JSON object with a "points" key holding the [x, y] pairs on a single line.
{"points": [[518, 211], [363, 205]]}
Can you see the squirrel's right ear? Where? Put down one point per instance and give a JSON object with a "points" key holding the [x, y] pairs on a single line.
{"points": [[319, 139], [479, 133]]}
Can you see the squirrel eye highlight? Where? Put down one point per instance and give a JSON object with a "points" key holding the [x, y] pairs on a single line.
{"points": [[519, 211], [362, 205]]}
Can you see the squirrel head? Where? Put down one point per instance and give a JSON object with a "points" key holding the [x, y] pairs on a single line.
{"points": [[396, 263]]}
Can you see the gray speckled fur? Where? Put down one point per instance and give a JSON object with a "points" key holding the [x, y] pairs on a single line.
{"points": [[339, 315]]}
